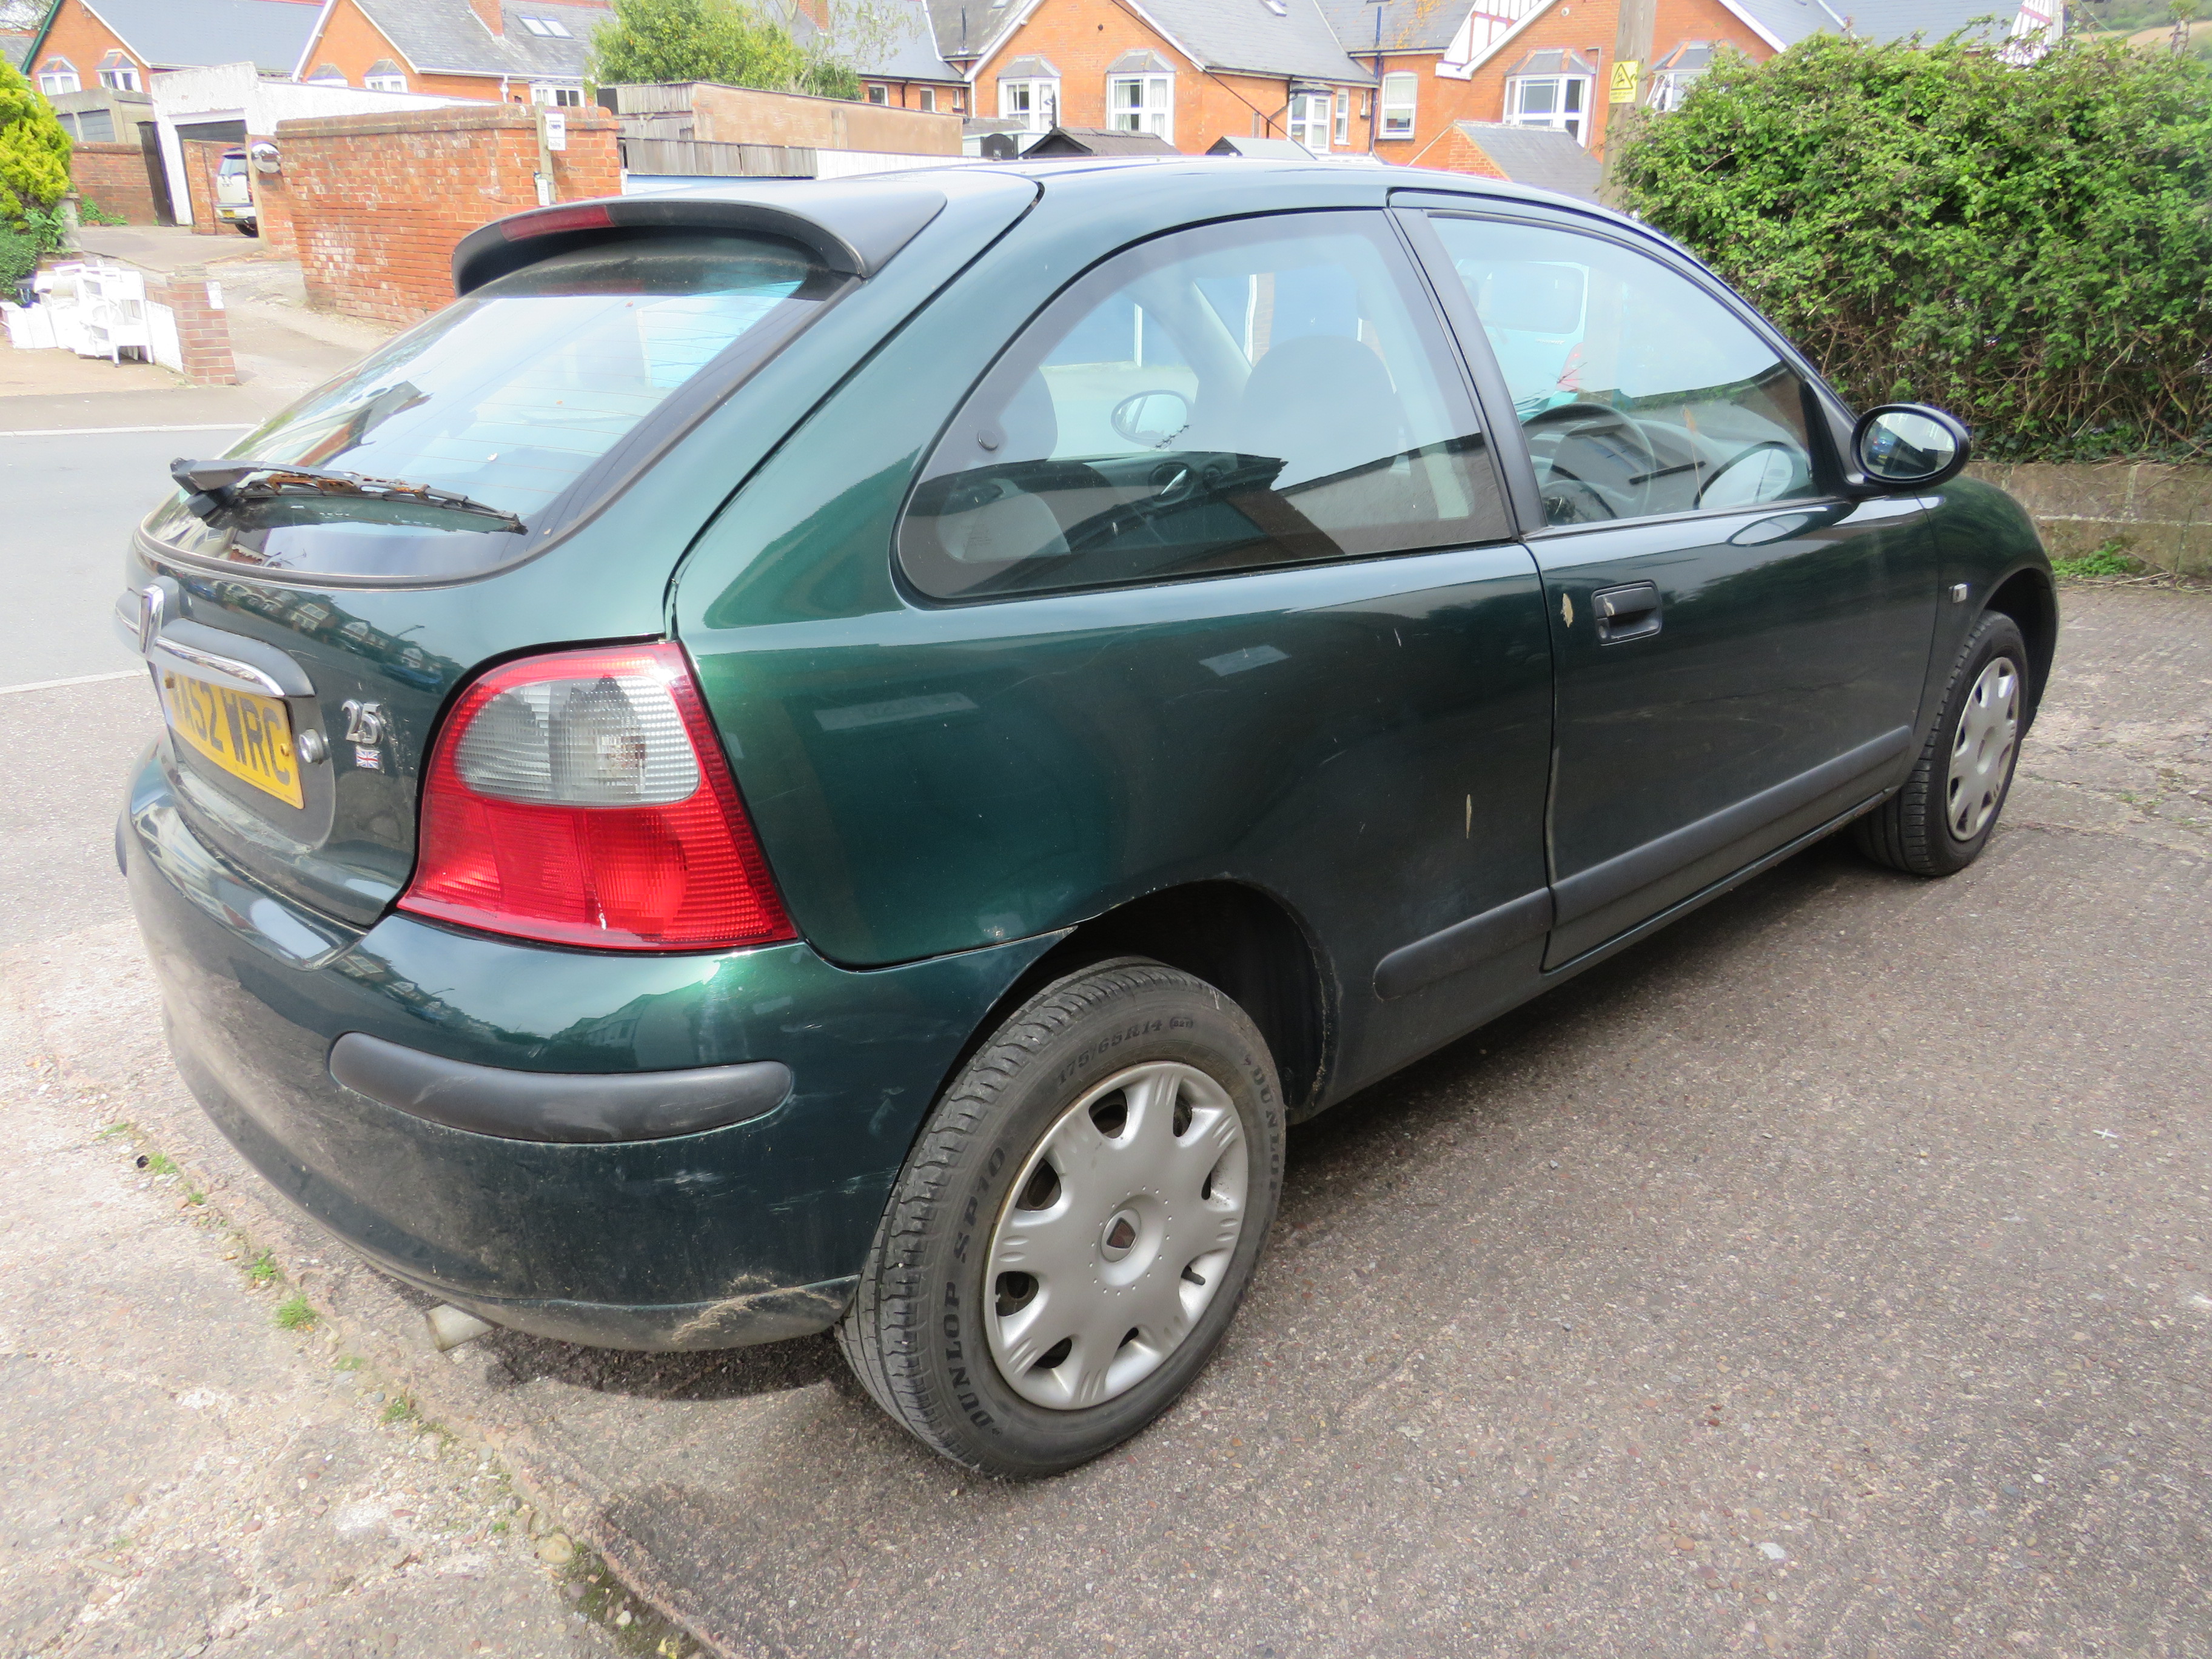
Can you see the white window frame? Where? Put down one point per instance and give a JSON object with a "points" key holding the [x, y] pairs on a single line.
{"points": [[1042, 91], [542, 92], [1344, 118], [550, 29], [56, 70], [121, 77], [1401, 94], [1574, 122], [928, 97], [394, 80], [879, 94], [1311, 113], [1154, 110]]}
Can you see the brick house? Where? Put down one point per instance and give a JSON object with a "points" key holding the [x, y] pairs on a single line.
{"points": [[1190, 70], [1549, 63], [119, 44], [499, 51]]}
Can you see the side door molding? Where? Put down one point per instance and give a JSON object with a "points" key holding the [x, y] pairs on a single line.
{"points": [[1414, 967], [1601, 884]]}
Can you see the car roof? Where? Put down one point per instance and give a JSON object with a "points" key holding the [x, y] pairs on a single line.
{"points": [[857, 223]]}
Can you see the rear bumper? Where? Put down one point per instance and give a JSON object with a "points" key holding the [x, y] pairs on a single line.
{"points": [[746, 1232]]}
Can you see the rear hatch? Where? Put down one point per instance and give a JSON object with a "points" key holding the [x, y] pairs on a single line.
{"points": [[310, 606]]}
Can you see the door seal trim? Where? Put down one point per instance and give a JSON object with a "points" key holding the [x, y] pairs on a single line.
{"points": [[1492, 932], [1601, 884]]}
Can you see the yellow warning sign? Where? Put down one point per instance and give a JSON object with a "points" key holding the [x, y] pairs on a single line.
{"points": [[1626, 71]]}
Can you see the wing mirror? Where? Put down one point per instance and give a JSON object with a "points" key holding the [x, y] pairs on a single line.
{"points": [[1152, 420], [1907, 446]]}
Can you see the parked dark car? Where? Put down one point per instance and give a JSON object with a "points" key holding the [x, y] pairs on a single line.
{"points": [[848, 755]]}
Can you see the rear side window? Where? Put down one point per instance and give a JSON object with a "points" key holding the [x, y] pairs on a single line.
{"points": [[1263, 392], [505, 399]]}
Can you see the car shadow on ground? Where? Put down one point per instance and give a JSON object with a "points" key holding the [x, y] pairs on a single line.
{"points": [[1346, 1144]]}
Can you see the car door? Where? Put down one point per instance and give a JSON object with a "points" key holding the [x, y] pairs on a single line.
{"points": [[1741, 649], [1208, 579]]}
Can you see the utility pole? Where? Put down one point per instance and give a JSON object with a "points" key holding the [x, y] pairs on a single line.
{"points": [[1630, 74]]}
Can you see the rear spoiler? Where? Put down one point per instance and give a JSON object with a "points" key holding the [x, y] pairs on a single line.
{"points": [[852, 228]]}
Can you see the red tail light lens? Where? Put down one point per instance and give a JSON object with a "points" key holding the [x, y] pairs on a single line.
{"points": [[581, 797]]}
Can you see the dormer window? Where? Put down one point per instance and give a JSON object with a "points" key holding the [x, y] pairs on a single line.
{"points": [[58, 74], [384, 75], [118, 74], [1552, 89]]}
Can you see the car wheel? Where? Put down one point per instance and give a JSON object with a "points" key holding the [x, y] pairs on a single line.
{"points": [[1076, 1223], [1939, 821]]}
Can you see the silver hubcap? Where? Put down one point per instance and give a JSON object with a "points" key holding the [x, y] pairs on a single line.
{"points": [[1117, 1235], [1981, 755]]}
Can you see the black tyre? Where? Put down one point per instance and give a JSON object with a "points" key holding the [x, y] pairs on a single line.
{"points": [[1076, 1223], [1939, 822]]}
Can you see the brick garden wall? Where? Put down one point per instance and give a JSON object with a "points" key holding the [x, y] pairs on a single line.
{"points": [[379, 202], [114, 176], [203, 156]]}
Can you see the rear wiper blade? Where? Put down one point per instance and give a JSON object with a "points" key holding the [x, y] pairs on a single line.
{"points": [[216, 485]]}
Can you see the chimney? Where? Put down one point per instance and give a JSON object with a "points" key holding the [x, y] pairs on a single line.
{"points": [[487, 12]]}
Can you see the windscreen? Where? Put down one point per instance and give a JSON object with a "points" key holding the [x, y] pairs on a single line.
{"points": [[501, 403]]}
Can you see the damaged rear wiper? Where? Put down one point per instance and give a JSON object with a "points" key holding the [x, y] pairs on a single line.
{"points": [[214, 486]]}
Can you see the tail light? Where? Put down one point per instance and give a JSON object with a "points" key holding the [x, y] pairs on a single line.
{"points": [[582, 797]]}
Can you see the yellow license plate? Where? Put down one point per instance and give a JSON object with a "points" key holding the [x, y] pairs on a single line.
{"points": [[249, 736]]}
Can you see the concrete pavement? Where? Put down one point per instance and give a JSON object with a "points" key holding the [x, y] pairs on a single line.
{"points": [[181, 1471], [1828, 1277]]}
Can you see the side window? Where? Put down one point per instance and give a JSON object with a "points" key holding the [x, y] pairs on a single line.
{"points": [[1266, 391], [1638, 393]]}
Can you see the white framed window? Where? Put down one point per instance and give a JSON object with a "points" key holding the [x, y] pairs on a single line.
{"points": [[1399, 93], [1142, 103], [559, 97], [1312, 115], [1344, 118], [1558, 101], [549, 28], [928, 97], [1035, 103], [879, 94], [118, 74], [384, 75], [58, 74]]}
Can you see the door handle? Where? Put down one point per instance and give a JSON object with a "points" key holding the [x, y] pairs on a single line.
{"points": [[1626, 613]]}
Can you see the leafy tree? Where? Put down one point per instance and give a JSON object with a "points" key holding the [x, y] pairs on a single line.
{"points": [[34, 151], [2030, 245], [707, 40]]}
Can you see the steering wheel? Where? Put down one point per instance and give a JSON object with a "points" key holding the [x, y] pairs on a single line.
{"points": [[1593, 459]]}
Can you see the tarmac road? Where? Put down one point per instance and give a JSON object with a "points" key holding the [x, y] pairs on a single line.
{"points": [[1828, 1277]]}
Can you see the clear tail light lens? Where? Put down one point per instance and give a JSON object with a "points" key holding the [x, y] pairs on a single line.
{"points": [[581, 797]]}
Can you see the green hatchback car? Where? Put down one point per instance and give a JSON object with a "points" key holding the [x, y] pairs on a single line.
{"points": [[848, 755]]}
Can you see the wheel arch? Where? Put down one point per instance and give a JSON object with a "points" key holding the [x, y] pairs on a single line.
{"points": [[1240, 939], [2027, 597]]}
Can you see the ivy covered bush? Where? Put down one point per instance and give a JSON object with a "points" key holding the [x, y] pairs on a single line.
{"points": [[2029, 247]]}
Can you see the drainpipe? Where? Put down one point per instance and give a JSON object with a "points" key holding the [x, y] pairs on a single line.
{"points": [[1375, 98]]}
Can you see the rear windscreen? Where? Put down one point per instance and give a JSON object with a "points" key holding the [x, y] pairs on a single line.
{"points": [[504, 402]]}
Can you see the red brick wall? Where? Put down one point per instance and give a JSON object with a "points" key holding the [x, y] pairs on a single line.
{"points": [[203, 330], [379, 202], [272, 206], [203, 156], [114, 176]]}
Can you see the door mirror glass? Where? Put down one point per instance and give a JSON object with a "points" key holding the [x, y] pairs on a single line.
{"points": [[1908, 446], [1151, 420]]}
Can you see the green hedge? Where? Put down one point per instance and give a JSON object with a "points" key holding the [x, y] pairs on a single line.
{"points": [[2030, 246]]}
